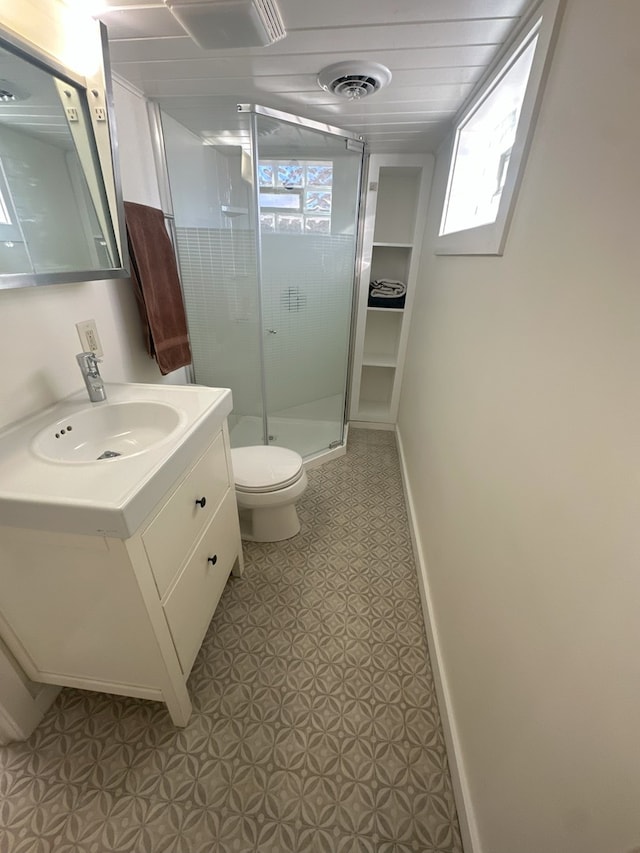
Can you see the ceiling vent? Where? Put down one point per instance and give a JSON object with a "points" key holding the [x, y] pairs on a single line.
{"points": [[223, 24], [354, 80]]}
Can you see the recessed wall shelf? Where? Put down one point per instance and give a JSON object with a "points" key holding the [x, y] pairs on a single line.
{"points": [[379, 360], [394, 245], [373, 412], [394, 223], [234, 211]]}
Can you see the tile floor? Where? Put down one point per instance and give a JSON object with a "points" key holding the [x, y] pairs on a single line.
{"points": [[315, 724]]}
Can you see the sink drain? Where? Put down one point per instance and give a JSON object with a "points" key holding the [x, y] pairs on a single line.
{"points": [[109, 454]]}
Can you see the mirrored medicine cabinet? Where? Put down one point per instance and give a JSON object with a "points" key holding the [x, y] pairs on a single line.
{"points": [[61, 217]]}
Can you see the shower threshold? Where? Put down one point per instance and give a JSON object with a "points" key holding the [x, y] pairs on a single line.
{"points": [[314, 438]]}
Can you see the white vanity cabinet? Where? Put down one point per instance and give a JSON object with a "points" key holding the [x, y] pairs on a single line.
{"points": [[126, 615]]}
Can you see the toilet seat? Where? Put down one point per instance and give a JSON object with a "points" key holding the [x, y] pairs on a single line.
{"points": [[262, 469], [268, 482]]}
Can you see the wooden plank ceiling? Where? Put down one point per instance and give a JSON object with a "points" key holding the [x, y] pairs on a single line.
{"points": [[436, 50]]}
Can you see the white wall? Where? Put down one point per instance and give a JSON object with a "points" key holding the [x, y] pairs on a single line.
{"points": [[520, 421]]}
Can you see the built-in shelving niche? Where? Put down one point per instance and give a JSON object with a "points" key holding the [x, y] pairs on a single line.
{"points": [[395, 211], [398, 191], [376, 388], [382, 337]]}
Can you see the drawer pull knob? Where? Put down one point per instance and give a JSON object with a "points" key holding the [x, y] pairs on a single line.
{"points": [[201, 502], [213, 560]]}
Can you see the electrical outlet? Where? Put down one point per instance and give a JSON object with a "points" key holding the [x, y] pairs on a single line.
{"points": [[89, 340]]}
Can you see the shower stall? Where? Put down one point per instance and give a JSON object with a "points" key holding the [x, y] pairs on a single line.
{"points": [[265, 219]]}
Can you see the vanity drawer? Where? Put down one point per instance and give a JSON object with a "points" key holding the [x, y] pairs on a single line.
{"points": [[173, 532], [192, 601]]}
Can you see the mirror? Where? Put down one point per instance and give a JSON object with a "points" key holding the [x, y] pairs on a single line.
{"points": [[56, 225]]}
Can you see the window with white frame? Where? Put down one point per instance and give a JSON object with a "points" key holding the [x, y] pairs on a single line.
{"points": [[490, 141], [295, 196]]}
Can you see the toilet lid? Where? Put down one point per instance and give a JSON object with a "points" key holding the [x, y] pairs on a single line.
{"points": [[265, 469]]}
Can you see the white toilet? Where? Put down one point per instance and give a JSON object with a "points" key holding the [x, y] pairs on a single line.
{"points": [[269, 481]]}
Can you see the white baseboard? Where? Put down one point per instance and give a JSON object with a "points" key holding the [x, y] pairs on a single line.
{"points": [[22, 702], [466, 817], [45, 696], [372, 425]]}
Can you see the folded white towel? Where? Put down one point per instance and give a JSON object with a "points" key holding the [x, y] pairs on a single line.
{"points": [[387, 288]]}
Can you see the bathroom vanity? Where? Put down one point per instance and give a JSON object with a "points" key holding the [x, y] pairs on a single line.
{"points": [[111, 567]]}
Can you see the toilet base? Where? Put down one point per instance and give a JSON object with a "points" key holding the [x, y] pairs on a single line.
{"points": [[270, 516], [269, 524]]}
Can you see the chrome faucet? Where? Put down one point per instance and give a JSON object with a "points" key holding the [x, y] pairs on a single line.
{"points": [[88, 363]]}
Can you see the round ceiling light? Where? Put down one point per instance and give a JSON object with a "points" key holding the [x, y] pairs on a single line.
{"points": [[354, 80]]}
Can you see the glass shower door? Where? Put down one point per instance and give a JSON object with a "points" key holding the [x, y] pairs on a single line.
{"points": [[308, 184], [214, 214]]}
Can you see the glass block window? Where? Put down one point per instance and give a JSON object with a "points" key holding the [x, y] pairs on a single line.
{"points": [[266, 174], [317, 225], [291, 224], [317, 201], [268, 223], [290, 175], [280, 201], [302, 186]]}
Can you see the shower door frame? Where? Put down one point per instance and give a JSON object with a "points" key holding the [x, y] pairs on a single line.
{"points": [[354, 142]]}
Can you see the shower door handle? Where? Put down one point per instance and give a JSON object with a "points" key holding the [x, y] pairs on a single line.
{"points": [[272, 331]]}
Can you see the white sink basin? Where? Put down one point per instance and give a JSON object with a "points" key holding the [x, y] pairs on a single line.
{"points": [[107, 432], [51, 477]]}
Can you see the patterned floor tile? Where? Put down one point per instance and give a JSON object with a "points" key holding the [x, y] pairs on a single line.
{"points": [[315, 725]]}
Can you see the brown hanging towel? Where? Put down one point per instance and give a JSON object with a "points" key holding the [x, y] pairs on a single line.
{"points": [[154, 275]]}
